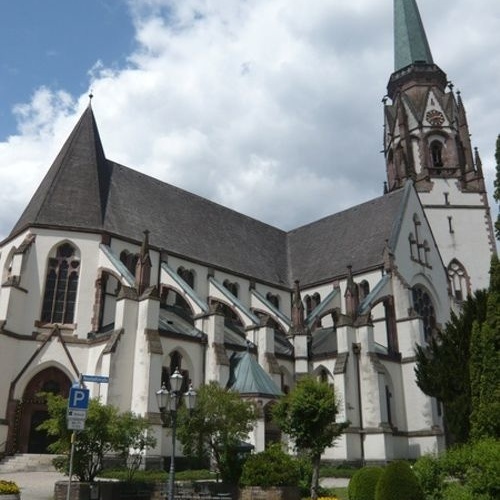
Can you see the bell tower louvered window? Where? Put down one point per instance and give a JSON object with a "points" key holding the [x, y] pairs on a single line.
{"points": [[61, 286]]}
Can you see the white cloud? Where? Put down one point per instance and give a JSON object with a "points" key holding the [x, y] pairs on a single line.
{"points": [[271, 108]]}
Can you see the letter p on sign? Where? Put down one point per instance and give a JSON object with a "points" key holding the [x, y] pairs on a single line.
{"points": [[78, 398]]}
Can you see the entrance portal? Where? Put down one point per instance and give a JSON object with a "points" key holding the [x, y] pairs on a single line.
{"points": [[34, 409]]}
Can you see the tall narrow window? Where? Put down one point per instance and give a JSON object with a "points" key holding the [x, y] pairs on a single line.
{"points": [[460, 283], [437, 153], [424, 307], [61, 286]]}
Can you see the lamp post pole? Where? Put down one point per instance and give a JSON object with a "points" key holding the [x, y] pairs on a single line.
{"points": [[171, 475], [168, 402]]}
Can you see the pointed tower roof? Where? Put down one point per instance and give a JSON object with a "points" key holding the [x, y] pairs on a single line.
{"points": [[413, 63], [75, 190], [250, 379], [410, 41]]}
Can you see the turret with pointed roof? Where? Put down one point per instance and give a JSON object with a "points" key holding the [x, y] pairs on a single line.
{"points": [[427, 141], [426, 131]]}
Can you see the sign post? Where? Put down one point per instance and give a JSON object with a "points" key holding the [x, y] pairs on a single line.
{"points": [[78, 403]]}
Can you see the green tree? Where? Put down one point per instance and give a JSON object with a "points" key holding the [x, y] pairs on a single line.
{"points": [[496, 192], [485, 364], [218, 425], [442, 367], [307, 414], [133, 437], [106, 431]]}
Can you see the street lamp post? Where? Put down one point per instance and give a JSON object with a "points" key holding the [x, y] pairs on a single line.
{"points": [[168, 403]]}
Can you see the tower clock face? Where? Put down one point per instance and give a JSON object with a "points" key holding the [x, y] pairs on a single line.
{"points": [[435, 117]]}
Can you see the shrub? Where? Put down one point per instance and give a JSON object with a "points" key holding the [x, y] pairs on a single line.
{"points": [[456, 491], [8, 487], [398, 481], [272, 467], [363, 483], [429, 471], [477, 466]]}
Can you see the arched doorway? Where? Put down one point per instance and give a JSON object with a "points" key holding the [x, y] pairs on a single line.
{"points": [[34, 410]]}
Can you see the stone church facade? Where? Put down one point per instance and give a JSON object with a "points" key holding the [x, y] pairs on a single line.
{"points": [[111, 272]]}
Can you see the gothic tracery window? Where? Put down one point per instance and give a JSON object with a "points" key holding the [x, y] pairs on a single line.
{"points": [[424, 307], [61, 286], [459, 280]]}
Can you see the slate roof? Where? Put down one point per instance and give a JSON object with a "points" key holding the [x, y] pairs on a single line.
{"points": [[84, 191], [249, 378], [356, 237]]}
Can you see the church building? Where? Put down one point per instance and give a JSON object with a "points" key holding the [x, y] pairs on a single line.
{"points": [[111, 272]]}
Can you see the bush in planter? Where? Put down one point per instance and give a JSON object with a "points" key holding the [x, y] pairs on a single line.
{"points": [[398, 481], [272, 467], [363, 483], [8, 488]]}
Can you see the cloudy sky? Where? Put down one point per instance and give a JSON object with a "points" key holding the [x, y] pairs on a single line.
{"points": [[270, 107]]}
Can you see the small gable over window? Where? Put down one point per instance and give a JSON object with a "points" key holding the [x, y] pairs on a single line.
{"points": [[61, 285]]}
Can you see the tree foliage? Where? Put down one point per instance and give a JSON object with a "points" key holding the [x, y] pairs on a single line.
{"points": [[106, 431], [496, 192], [307, 414], [218, 425], [271, 467], [442, 367], [485, 364], [398, 481]]}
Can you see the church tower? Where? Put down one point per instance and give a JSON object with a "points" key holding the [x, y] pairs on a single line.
{"points": [[427, 140]]}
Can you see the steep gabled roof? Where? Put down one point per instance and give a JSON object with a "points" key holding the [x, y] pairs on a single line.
{"points": [[74, 192], [84, 191], [357, 237]]}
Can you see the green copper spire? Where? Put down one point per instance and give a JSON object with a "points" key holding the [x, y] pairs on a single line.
{"points": [[410, 41]]}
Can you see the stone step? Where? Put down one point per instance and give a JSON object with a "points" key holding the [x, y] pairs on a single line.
{"points": [[29, 462]]}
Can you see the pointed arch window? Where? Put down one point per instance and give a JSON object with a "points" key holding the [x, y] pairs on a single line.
{"points": [[175, 364], [233, 287], [364, 289], [424, 307], [129, 260], [187, 275], [437, 153], [459, 279], [61, 285], [274, 299]]}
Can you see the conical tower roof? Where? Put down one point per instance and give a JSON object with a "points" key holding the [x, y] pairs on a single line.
{"points": [[410, 41], [250, 379], [75, 190]]}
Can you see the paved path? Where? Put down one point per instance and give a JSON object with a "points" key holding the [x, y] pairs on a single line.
{"points": [[35, 485]]}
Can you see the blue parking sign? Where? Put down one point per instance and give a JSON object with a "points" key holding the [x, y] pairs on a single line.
{"points": [[78, 398]]}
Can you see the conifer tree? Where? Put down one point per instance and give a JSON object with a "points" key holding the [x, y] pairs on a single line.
{"points": [[442, 368], [496, 192], [485, 364]]}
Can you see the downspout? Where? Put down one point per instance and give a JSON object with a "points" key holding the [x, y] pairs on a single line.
{"points": [[356, 349]]}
